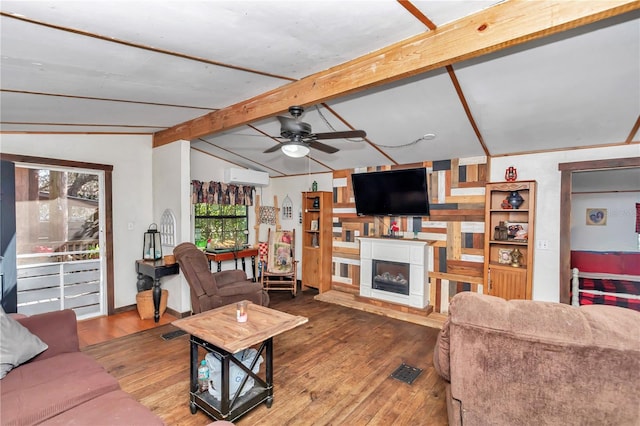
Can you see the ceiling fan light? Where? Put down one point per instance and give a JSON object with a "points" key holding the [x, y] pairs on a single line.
{"points": [[295, 150]]}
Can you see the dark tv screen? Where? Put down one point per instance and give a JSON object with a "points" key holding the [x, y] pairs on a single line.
{"points": [[391, 193]]}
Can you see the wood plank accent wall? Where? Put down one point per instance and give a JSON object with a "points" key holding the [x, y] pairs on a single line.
{"points": [[456, 225]]}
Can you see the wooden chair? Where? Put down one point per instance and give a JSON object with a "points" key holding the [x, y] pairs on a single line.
{"points": [[279, 272]]}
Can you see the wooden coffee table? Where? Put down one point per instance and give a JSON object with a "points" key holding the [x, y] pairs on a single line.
{"points": [[218, 331]]}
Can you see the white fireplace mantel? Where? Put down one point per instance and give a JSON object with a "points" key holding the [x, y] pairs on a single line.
{"points": [[414, 252]]}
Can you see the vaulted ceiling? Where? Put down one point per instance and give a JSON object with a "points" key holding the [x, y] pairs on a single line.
{"points": [[426, 80]]}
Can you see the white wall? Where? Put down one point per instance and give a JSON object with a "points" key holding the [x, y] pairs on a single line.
{"points": [[618, 234], [171, 190], [132, 200], [543, 168]]}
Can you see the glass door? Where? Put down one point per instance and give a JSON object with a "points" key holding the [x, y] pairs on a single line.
{"points": [[59, 236]]}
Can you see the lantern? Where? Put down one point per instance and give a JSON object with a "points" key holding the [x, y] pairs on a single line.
{"points": [[152, 248]]}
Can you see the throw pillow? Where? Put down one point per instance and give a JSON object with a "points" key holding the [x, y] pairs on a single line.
{"points": [[18, 344]]}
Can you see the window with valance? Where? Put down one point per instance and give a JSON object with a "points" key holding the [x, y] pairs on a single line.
{"points": [[221, 214], [221, 193]]}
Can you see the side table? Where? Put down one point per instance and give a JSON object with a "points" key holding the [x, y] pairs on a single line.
{"points": [[155, 270], [220, 256], [218, 331]]}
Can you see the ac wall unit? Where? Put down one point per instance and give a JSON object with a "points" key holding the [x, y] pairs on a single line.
{"points": [[246, 177]]}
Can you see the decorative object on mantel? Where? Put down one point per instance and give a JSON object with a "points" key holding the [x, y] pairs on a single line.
{"points": [[511, 174], [515, 199], [393, 229], [152, 247], [597, 217], [516, 258]]}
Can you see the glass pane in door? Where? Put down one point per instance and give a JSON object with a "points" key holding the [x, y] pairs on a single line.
{"points": [[58, 240]]}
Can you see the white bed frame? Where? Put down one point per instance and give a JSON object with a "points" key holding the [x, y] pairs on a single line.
{"points": [[575, 283]]}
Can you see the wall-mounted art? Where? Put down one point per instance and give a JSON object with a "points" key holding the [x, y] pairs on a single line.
{"points": [[597, 217]]}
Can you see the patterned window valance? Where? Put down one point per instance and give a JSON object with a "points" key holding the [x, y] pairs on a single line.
{"points": [[221, 193]]}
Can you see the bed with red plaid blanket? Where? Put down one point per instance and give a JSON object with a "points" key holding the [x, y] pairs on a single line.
{"points": [[607, 291], [606, 278]]}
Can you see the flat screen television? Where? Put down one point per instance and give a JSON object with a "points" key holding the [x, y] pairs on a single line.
{"points": [[391, 193]]}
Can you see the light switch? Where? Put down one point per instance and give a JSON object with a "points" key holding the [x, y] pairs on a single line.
{"points": [[542, 244]]}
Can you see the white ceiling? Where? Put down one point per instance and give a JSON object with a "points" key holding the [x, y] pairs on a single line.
{"points": [[146, 66]]}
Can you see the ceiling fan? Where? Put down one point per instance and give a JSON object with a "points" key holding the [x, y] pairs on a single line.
{"points": [[301, 138]]}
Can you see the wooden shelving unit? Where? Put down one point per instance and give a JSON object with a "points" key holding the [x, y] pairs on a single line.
{"points": [[502, 278], [316, 240]]}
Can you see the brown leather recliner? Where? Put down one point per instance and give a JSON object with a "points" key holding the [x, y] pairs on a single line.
{"points": [[210, 290]]}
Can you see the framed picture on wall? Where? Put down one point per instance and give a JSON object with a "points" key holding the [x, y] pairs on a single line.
{"points": [[597, 217]]}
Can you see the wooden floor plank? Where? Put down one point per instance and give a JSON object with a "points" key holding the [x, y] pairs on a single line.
{"points": [[333, 370], [427, 318]]}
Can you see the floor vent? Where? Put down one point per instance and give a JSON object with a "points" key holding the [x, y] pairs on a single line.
{"points": [[173, 334], [406, 373]]}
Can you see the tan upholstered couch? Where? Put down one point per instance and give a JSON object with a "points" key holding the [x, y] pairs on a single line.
{"points": [[63, 386], [539, 363]]}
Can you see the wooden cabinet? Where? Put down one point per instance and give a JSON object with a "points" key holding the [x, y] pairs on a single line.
{"points": [[316, 240], [509, 239]]}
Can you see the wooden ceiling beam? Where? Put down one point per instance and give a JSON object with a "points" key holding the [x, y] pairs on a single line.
{"points": [[505, 25]]}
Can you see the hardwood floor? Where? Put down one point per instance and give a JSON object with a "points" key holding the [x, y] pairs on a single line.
{"points": [[103, 329], [334, 370]]}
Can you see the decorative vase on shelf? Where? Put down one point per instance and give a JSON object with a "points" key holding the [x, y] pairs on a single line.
{"points": [[515, 199]]}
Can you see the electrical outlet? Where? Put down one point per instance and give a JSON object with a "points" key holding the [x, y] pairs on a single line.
{"points": [[542, 244]]}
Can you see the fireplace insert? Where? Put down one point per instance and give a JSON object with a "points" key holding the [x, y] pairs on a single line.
{"points": [[391, 276]]}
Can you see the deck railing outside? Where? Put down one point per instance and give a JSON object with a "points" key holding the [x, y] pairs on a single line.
{"points": [[55, 280]]}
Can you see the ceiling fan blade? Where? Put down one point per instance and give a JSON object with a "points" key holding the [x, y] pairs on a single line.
{"points": [[341, 135], [322, 147], [273, 149]]}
